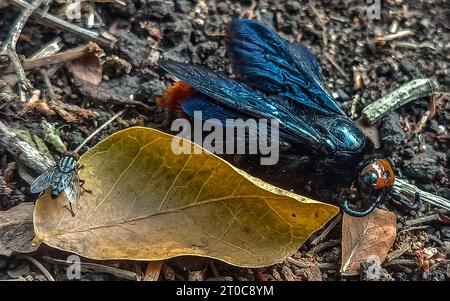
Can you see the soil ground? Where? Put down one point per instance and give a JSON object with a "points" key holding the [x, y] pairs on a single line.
{"points": [[344, 40]]}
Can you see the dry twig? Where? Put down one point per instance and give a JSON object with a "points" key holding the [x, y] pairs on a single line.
{"points": [[97, 268], [9, 48], [26, 153], [47, 19]]}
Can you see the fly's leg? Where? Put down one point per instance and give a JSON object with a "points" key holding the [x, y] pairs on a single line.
{"points": [[401, 199], [82, 182], [70, 209]]}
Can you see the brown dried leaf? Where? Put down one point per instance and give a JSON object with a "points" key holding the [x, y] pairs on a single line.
{"points": [[363, 237], [87, 68], [35, 103], [16, 230]]}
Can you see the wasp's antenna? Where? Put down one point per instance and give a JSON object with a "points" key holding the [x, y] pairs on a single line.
{"points": [[97, 131]]}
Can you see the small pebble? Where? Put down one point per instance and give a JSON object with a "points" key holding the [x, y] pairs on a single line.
{"points": [[21, 269], [293, 6], [199, 22], [342, 95], [384, 70], [407, 67], [222, 8], [3, 262]]}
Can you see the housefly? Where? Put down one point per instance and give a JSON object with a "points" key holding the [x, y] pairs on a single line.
{"points": [[282, 81], [61, 178]]}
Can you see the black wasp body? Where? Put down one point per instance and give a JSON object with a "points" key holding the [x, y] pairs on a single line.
{"points": [[62, 178], [279, 81], [276, 80]]}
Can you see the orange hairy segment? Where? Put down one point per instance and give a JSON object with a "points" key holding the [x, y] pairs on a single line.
{"points": [[175, 94]]}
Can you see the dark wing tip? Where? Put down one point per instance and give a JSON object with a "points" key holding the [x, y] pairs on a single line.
{"points": [[167, 65]]}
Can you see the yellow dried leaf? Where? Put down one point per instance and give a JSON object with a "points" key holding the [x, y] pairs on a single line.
{"points": [[150, 204]]}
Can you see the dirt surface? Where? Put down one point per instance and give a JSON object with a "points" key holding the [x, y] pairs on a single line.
{"points": [[357, 70]]}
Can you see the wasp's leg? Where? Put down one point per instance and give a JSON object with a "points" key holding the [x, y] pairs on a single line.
{"points": [[363, 163], [391, 163], [82, 182], [345, 206], [296, 163], [400, 198]]}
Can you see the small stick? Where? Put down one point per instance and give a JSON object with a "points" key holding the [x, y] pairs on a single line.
{"points": [[39, 266], [103, 39], [297, 263], [153, 270], [321, 24], [399, 97], [338, 68], [402, 186], [99, 268], [407, 262], [62, 57], [9, 48], [413, 45], [214, 268], [423, 220], [100, 128], [23, 150], [48, 49], [327, 231], [399, 252], [220, 278], [400, 34], [327, 266], [48, 83], [103, 95], [413, 229], [325, 245]]}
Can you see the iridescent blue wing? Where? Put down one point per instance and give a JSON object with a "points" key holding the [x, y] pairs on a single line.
{"points": [[209, 109], [212, 111], [238, 97], [263, 60], [303, 54], [44, 181]]}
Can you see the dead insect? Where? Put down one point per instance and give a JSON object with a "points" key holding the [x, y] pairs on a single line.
{"points": [[63, 177], [376, 180], [279, 81]]}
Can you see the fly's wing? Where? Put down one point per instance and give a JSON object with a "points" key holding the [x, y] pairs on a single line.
{"points": [[263, 60], [44, 181], [237, 97], [72, 187]]}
